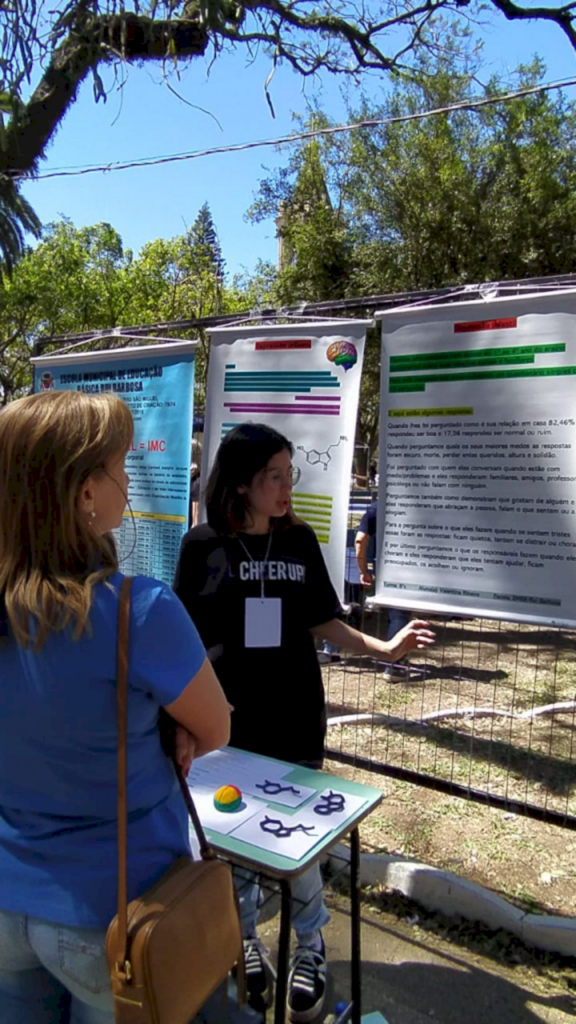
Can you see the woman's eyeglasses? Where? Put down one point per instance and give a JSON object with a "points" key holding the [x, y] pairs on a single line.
{"points": [[277, 477]]}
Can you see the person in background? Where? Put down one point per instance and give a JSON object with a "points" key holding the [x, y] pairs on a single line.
{"points": [[365, 545], [63, 488], [329, 653], [194, 493], [254, 581]]}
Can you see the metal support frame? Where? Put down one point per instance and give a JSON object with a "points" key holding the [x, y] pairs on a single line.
{"points": [[283, 953], [353, 1011]]}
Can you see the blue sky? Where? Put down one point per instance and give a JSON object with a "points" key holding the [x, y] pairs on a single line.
{"points": [[145, 119]]}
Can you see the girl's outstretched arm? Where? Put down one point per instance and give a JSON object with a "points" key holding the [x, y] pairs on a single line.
{"points": [[417, 635]]}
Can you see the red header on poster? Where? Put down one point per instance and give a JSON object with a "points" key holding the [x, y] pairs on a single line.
{"points": [[286, 343], [486, 325]]}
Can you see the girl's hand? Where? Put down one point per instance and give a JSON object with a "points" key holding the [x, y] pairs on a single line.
{"points": [[185, 747], [417, 635]]}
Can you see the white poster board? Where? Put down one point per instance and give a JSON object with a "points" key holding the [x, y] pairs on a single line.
{"points": [[477, 496], [305, 382]]}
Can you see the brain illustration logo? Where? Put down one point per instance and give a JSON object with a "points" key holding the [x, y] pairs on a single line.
{"points": [[342, 353]]}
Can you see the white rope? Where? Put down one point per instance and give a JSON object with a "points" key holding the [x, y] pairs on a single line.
{"points": [[559, 708]]}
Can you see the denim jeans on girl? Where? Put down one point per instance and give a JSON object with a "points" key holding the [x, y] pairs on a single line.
{"points": [[309, 914]]}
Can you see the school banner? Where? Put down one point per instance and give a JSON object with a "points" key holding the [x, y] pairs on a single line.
{"points": [[477, 497], [157, 383], [304, 381]]}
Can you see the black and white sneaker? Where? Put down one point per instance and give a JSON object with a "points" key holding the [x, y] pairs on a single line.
{"points": [[399, 672], [306, 984], [259, 975]]}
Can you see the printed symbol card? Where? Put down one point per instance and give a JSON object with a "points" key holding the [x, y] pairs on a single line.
{"points": [[331, 808], [281, 833]]}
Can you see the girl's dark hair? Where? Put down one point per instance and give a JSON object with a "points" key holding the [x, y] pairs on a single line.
{"points": [[244, 452]]}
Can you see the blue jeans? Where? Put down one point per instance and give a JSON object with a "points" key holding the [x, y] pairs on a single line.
{"points": [[55, 974], [309, 914], [329, 648], [52, 973], [397, 619]]}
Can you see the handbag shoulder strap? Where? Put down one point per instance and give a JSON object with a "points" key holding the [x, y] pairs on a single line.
{"points": [[206, 850], [122, 738]]}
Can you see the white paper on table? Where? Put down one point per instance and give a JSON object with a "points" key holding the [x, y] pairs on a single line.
{"points": [[225, 767], [308, 815], [292, 796], [294, 846], [222, 821], [194, 844]]}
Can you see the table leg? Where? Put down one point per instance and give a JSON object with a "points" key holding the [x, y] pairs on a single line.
{"points": [[355, 925], [283, 953]]}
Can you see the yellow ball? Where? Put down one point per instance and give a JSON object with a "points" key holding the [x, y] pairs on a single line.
{"points": [[227, 798]]}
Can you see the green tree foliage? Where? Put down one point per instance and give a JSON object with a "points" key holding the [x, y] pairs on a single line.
{"points": [[82, 279], [314, 236], [315, 245], [256, 290], [204, 243], [471, 195], [48, 51], [16, 219], [16, 215], [181, 278], [74, 280]]}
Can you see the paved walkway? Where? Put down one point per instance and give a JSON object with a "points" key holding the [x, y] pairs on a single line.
{"points": [[413, 977]]}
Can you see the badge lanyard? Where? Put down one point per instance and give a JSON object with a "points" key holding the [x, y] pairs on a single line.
{"points": [[264, 563], [262, 615]]}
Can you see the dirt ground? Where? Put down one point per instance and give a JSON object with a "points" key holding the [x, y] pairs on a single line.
{"points": [[531, 864], [471, 713]]}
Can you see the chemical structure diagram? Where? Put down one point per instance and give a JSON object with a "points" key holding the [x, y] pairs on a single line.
{"points": [[315, 458]]}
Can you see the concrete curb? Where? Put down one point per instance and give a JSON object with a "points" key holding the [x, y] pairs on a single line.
{"points": [[436, 889]]}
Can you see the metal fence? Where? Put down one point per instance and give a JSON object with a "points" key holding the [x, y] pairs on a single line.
{"points": [[488, 713]]}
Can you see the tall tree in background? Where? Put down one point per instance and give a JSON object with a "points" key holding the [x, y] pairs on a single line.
{"points": [[313, 235], [315, 251], [203, 241], [207, 266]]}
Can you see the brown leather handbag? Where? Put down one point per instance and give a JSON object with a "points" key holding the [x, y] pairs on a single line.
{"points": [[171, 948]]}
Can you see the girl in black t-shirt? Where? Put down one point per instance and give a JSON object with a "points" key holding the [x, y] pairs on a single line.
{"points": [[255, 583]]}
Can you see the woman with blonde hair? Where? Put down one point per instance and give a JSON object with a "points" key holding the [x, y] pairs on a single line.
{"points": [[63, 488]]}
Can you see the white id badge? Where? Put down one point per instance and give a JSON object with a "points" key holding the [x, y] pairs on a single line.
{"points": [[263, 622]]}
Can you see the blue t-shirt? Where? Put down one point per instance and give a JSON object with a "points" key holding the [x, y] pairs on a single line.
{"points": [[58, 748]]}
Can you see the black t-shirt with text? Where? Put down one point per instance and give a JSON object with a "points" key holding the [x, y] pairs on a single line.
{"points": [[276, 692]]}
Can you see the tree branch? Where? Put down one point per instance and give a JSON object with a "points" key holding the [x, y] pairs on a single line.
{"points": [[90, 42], [339, 37], [561, 16]]}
